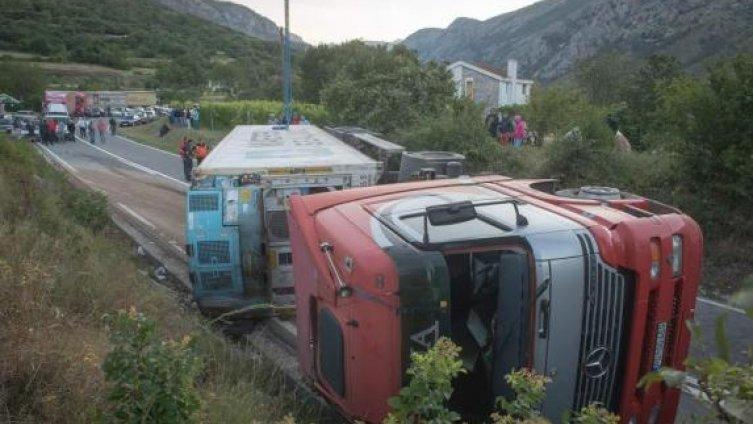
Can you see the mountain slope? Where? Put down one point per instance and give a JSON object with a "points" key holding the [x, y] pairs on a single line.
{"points": [[230, 15], [115, 32], [549, 36]]}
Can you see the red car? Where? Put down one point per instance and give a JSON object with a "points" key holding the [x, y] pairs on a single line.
{"points": [[591, 287]]}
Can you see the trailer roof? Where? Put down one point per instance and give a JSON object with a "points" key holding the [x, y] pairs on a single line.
{"points": [[258, 148]]}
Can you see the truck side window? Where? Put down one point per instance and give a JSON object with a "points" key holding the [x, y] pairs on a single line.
{"points": [[331, 355]]}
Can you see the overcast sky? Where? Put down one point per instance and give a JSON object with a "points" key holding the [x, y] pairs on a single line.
{"points": [[325, 21]]}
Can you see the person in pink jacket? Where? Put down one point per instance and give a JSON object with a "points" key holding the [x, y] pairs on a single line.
{"points": [[520, 133]]}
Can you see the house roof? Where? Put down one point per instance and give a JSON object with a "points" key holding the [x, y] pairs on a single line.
{"points": [[487, 70]]}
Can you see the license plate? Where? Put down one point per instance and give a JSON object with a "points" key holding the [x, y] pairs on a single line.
{"points": [[661, 339]]}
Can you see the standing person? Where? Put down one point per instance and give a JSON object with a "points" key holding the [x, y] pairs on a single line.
{"points": [[43, 132], [72, 130], [82, 127], [52, 130], [113, 126], [521, 131], [186, 153], [492, 122], [92, 132], [506, 129], [30, 129], [102, 129], [61, 126], [201, 151]]}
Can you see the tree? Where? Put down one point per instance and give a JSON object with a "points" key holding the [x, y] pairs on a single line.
{"points": [[642, 96], [24, 82], [602, 78], [712, 119], [386, 90]]}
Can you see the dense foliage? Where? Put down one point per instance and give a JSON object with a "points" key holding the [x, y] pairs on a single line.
{"points": [[375, 87]]}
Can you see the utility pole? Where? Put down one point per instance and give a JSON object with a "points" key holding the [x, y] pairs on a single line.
{"points": [[287, 71]]}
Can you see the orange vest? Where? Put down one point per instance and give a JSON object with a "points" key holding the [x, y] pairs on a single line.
{"points": [[201, 152]]}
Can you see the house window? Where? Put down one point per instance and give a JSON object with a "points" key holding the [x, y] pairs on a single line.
{"points": [[470, 88]]}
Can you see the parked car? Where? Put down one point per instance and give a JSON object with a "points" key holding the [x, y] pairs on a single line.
{"points": [[116, 112], [129, 121], [6, 124]]}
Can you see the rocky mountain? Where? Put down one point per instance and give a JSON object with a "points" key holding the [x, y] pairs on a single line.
{"points": [[549, 36], [230, 15]]}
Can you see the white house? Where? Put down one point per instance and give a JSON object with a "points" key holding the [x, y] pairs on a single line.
{"points": [[484, 85]]}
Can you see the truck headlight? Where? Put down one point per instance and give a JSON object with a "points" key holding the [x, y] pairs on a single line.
{"points": [[676, 255]]}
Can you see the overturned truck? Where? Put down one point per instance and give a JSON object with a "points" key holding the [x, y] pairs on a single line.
{"points": [[591, 287]]}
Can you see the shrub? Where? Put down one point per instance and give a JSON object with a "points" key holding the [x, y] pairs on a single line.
{"points": [[530, 391], [149, 380], [88, 209], [594, 414], [424, 399], [459, 129]]}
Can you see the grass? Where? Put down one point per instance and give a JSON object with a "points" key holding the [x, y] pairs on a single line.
{"points": [[149, 134], [61, 271]]}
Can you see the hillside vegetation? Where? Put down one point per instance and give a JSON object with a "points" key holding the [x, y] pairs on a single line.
{"points": [[156, 46], [548, 37], [89, 337]]}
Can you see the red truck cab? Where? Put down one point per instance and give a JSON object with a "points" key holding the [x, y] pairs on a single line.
{"points": [[590, 287]]}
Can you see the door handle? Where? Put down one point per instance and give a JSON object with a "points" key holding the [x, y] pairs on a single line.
{"points": [[544, 318]]}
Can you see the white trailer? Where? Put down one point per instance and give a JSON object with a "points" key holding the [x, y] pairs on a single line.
{"points": [[236, 232]]}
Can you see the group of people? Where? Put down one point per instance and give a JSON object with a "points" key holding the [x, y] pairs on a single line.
{"points": [[189, 151], [96, 128], [507, 129], [56, 131], [187, 118], [294, 120]]}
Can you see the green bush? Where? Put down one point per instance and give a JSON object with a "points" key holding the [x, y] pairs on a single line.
{"points": [[254, 112], [458, 129], [530, 391], [149, 380], [88, 209], [424, 399]]}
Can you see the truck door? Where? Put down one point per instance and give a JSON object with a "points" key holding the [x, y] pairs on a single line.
{"points": [[511, 329], [212, 246]]}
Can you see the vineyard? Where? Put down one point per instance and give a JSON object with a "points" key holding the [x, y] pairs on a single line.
{"points": [[225, 115]]}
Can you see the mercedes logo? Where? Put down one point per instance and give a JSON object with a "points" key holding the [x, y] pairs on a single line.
{"points": [[597, 362]]}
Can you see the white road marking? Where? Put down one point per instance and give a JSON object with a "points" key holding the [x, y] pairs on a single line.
{"points": [[721, 305], [60, 160], [137, 216], [148, 147], [177, 247], [136, 165]]}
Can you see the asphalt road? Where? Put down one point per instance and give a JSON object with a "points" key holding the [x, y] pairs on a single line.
{"points": [[154, 198], [149, 183]]}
